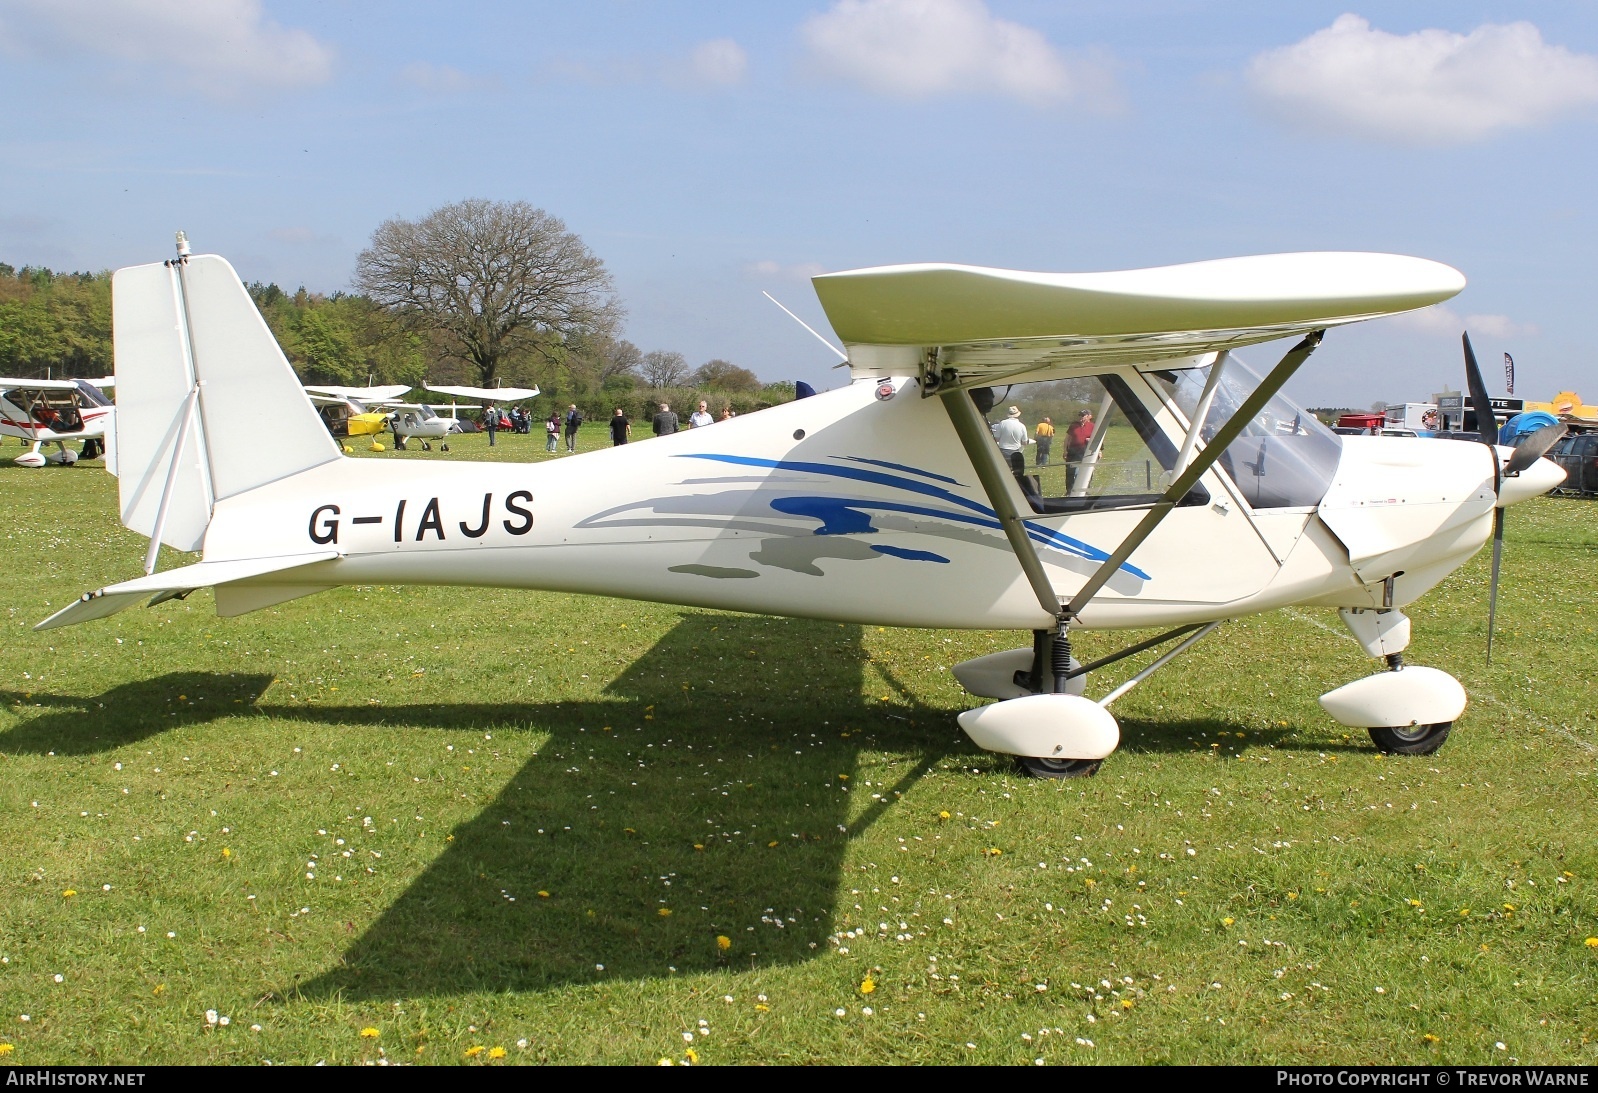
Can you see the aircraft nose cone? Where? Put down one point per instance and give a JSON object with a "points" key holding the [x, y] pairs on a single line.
{"points": [[1534, 481]]}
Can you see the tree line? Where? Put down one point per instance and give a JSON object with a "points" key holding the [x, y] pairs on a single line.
{"points": [[477, 293]]}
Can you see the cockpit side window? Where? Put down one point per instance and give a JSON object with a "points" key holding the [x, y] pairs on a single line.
{"points": [[1082, 444]]}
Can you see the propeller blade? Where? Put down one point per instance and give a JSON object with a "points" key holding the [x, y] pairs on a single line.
{"points": [[1492, 588], [1533, 448], [1480, 400]]}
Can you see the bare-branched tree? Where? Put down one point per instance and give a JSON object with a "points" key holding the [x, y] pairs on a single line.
{"points": [[662, 368], [492, 278]]}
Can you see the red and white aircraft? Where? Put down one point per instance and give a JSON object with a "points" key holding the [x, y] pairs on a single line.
{"points": [[44, 412]]}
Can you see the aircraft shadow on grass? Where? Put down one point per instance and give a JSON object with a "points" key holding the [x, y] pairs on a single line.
{"points": [[686, 787], [75, 725], [675, 809]]}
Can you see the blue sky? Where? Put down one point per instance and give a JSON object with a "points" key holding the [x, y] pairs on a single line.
{"points": [[707, 151]]}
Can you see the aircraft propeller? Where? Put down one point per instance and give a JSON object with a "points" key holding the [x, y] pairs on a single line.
{"points": [[1529, 451]]}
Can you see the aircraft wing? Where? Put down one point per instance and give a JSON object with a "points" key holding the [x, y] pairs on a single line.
{"points": [[359, 394], [174, 583], [487, 394], [7, 384], [895, 320]]}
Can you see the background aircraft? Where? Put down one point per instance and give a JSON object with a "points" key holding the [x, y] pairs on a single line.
{"points": [[887, 501], [53, 412], [354, 411], [422, 422]]}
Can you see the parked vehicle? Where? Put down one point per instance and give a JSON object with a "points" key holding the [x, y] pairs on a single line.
{"points": [[1578, 455]]}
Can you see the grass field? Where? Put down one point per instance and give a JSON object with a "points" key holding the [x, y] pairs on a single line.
{"points": [[490, 827]]}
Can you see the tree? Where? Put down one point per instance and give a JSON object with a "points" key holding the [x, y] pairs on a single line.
{"points": [[662, 368], [492, 279], [723, 375]]}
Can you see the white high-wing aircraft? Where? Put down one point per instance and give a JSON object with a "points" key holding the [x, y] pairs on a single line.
{"points": [[44, 412], [1202, 496], [424, 423]]}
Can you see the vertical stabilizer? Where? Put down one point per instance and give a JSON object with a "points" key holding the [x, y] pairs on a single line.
{"points": [[207, 405]]}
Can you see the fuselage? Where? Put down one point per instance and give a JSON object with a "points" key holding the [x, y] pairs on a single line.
{"points": [[856, 507]]}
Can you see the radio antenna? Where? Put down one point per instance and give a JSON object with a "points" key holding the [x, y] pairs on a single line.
{"points": [[844, 357]]}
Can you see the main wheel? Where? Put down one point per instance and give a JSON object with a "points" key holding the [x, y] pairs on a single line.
{"points": [[442, 446], [1411, 739], [426, 447], [1037, 767]]}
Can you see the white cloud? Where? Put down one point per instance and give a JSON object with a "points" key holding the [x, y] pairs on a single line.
{"points": [[767, 269], [443, 79], [919, 48], [1431, 87], [217, 46], [717, 63], [1440, 319], [720, 62]]}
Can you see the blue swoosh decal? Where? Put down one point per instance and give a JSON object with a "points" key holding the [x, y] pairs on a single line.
{"points": [[815, 507]]}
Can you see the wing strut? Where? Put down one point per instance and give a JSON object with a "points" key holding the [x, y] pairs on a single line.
{"points": [[972, 430], [1195, 470]]}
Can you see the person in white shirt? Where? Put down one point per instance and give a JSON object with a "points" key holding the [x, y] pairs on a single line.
{"points": [[700, 417], [1011, 434]]}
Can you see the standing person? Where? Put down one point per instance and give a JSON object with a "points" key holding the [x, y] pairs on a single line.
{"points": [[621, 429], [700, 417], [574, 418], [1076, 445], [1011, 436], [552, 432], [1045, 435], [665, 421], [491, 422]]}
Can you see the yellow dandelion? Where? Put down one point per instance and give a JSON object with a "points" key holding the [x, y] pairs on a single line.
{"points": [[370, 1033], [226, 853], [1483, 946], [7, 1049], [1228, 921], [692, 1055], [1591, 943], [496, 1053], [993, 852], [843, 777], [761, 1007], [69, 893], [699, 846], [1414, 903], [1464, 910], [1126, 1003], [1430, 1039], [1292, 895], [474, 1051], [772, 843], [1089, 881], [159, 988], [542, 894], [663, 912], [867, 985], [723, 942], [943, 815], [664, 1062], [1568, 875]]}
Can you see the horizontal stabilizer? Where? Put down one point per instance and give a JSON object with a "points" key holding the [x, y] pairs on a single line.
{"points": [[173, 584]]}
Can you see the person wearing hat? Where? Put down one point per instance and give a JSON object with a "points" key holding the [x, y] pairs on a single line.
{"points": [[1012, 437]]}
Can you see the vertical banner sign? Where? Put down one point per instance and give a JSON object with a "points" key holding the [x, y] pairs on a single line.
{"points": [[1509, 373]]}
